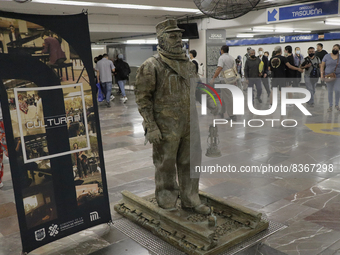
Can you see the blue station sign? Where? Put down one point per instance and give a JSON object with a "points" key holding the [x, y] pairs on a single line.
{"points": [[276, 40], [303, 11]]}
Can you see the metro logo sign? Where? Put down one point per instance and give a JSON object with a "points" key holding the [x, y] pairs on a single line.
{"points": [[303, 11]]}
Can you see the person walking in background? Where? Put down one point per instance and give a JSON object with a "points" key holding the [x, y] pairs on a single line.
{"points": [[95, 60], [298, 60], [238, 62], [320, 53], [274, 53], [104, 69], [226, 62], [253, 74], [245, 58], [312, 65], [291, 69], [193, 59], [330, 68], [199, 66], [122, 75], [278, 65], [264, 76]]}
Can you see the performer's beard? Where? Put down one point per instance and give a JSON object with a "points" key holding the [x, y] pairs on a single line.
{"points": [[165, 45]]}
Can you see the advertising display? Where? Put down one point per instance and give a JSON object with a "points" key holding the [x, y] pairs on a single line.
{"points": [[215, 38], [52, 126]]}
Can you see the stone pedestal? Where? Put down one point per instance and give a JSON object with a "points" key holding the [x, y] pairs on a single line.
{"points": [[193, 233]]}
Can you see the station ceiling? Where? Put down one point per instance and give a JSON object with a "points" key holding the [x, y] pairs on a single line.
{"points": [[109, 22]]}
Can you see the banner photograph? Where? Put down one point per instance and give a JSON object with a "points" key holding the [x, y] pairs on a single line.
{"points": [[198, 127], [52, 128]]}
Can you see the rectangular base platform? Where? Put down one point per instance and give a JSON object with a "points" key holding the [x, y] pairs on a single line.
{"points": [[191, 232]]}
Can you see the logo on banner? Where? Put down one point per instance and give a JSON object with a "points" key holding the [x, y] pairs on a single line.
{"points": [[53, 230], [94, 216], [40, 234], [282, 39]]}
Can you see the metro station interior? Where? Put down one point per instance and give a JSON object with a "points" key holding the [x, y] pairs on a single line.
{"points": [[305, 206]]}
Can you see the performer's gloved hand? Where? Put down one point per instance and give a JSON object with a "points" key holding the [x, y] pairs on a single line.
{"points": [[154, 136]]}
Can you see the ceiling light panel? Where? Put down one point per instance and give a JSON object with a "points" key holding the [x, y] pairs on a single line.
{"points": [[283, 30], [244, 36], [334, 23], [117, 6], [263, 30], [302, 31]]}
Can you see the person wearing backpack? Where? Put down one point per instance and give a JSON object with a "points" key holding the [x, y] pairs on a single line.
{"points": [[199, 66], [312, 65], [122, 75], [193, 59]]}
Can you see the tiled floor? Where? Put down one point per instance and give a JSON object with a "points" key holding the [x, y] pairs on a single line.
{"points": [[308, 203]]}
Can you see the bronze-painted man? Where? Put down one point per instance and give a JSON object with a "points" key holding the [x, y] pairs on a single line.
{"points": [[167, 105]]}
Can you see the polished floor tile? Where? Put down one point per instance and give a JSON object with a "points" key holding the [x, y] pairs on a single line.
{"points": [[124, 247], [303, 238], [308, 203]]}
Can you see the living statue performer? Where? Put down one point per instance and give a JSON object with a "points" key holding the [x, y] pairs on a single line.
{"points": [[168, 107]]}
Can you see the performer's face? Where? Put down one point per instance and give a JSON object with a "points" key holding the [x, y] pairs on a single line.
{"points": [[172, 42], [12, 29]]}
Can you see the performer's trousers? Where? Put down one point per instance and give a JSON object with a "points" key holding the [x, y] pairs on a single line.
{"points": [[172, 160]]}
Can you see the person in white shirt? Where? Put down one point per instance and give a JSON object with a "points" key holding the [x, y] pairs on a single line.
{"points": [[225, 62]]}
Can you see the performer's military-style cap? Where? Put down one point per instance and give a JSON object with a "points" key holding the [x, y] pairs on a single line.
{"points": [[166, 26]]}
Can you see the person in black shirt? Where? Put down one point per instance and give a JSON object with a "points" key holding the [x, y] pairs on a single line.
{"points": [[264, 76], [122, 72], [278, 65], [193, 59], [290, 73], [320, 53]]}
